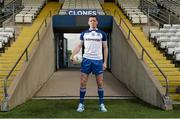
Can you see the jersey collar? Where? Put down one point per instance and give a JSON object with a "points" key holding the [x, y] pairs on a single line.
{"points": [[91, 29]]}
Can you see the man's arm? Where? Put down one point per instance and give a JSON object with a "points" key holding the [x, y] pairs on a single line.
{"points": [[76, 50], [105, 47]]}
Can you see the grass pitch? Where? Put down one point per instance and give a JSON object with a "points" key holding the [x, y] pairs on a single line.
{"points": [[133, 108]]}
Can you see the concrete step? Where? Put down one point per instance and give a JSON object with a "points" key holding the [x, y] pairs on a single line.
{"points": [[161, 78], [165, 69], [175, 73], [162, 65], [175, 96], [171, 83], [160, 61]]}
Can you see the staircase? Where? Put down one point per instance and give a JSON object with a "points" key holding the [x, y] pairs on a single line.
{"points": [[13, 53], [169, 69]]}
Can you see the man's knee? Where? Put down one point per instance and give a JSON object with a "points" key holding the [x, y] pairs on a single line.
{"points": [[99, 80], [84, 79], [100, 84]]}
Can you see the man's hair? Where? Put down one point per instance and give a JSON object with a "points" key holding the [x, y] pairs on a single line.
{"points": [[92, 16]]}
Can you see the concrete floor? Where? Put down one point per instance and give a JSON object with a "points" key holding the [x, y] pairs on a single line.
{"points": [[65, 84]]}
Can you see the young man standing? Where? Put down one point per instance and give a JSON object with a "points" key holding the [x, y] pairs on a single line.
{"points": [[95, 41]]}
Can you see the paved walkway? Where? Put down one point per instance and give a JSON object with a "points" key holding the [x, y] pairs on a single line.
{"points": [[65, 84]]}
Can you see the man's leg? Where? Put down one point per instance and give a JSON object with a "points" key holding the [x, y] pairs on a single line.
{"points": [[99, 80], [83, 83]]}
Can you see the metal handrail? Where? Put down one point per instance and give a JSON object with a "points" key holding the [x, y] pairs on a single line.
{"points": [[4, 17], [144, 51], [24, 52], [107, 10], [10, 2]]}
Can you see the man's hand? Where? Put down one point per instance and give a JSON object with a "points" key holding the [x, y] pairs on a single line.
{"points": [[73, 60], [104, 66]]}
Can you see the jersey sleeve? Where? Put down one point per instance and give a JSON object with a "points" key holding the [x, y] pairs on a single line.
{"points": [[104, 36], [82, 36]]}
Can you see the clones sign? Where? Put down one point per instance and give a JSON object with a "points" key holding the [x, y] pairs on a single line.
{"points": [[82, 12]]}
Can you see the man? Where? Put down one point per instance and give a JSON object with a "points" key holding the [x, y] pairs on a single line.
{"points": [[94, 41]]}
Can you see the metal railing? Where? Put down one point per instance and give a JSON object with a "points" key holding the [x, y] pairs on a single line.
{"points": [[25, 53], [162, 15], [143, 51], [108, 12], [10, 9]]}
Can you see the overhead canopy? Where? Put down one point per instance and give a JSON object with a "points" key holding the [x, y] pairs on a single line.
{"points": [[76, 24]]}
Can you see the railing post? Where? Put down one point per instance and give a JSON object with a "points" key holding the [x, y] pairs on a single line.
{"points": [[129, 33], [120, 22], [38, 35], [13, 15], [4, 105], [27, 55], [5, 87], [148, 17], [50, 13], [142, 54], [167, 86], [114, 13], [45, 23], [169, 19]]}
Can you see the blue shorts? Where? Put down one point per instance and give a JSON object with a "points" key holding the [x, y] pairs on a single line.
{"points": [[94, 66]]}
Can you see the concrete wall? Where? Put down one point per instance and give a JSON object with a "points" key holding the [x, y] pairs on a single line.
{"points": [[35, 72], [128, 67]]}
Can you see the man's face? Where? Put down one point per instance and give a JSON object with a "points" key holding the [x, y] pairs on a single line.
{"points": [[93, 22]]}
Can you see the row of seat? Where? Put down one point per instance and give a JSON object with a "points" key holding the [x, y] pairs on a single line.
{"points": [[131, 10], [167, 39], [34, 2], [6, 36], [128, 3], [81, 4], [27, 15], [30, 11]]}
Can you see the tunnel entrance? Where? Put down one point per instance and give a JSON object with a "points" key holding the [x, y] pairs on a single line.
{"points": [[67, 34]]}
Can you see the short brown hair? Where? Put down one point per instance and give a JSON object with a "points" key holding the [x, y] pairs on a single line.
{"points": [[92, 16]]}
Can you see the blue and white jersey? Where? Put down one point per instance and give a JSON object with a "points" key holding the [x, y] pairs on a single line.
{"points": [[93, 39]]}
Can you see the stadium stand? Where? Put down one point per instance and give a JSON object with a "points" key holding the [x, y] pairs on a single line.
{"points": [[81, 4], [11, 55], [132, 11], [169, 69], [30, 11], [168, 39]]}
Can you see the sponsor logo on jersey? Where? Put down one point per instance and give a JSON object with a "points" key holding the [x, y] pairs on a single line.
{"points": [[90, 39]]}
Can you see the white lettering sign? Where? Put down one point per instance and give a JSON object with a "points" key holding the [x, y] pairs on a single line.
{"points": [[82, 12]]}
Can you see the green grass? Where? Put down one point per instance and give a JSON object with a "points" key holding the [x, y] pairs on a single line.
{"points": [[67, 109]]}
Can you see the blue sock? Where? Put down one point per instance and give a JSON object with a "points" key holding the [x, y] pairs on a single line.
{"points": [[82, 95], [101, 95]]}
